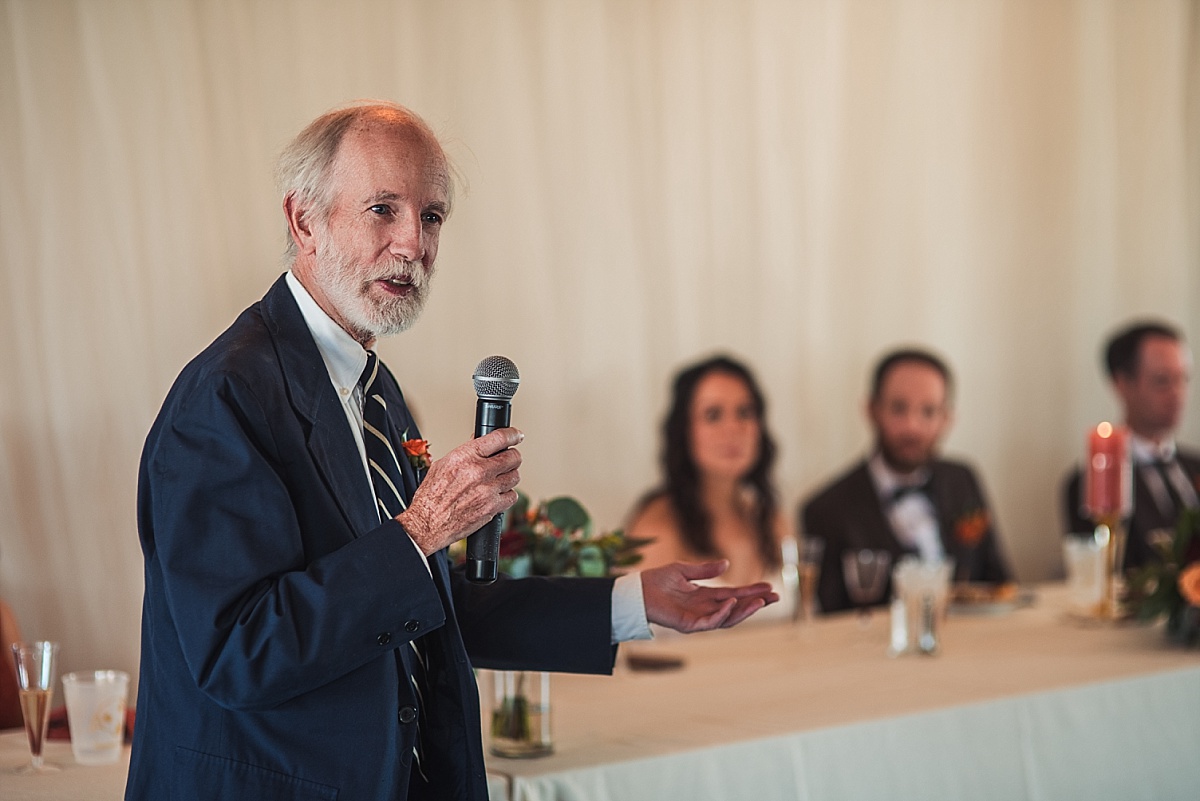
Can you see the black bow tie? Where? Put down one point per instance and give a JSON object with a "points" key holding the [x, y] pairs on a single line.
{"points": [[899, 493]]}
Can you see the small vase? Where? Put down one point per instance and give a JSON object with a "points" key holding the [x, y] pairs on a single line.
{"points": [[520, 714], [1183, 626]]}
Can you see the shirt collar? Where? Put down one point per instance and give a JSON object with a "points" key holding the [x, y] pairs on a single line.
{"points": [[344, 358], [1144, 451], [887, 480]]}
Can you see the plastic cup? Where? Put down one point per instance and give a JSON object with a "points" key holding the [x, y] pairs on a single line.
{"points": [[1084, 560], [96, 713]]}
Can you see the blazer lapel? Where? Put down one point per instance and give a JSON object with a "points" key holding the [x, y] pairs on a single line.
{"points": [[876, 531], [329, 439]]}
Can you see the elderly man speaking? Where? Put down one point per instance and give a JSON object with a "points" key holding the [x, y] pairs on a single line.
{"points": [[303, 635]]}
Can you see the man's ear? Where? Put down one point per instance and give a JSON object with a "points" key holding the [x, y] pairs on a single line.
{"points": [[299, 220], [1123, 386], [949, 421], [869, 409]]}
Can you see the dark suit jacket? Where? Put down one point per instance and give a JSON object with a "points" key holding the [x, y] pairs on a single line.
{"points": [[278, 609], [1146, 515], [847, 515]]}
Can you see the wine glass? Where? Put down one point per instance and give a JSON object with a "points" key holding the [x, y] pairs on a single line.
{"points": [[866, 573], [36, 666]]}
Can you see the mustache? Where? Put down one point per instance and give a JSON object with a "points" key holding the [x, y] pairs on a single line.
{"points": [[409, 272]]}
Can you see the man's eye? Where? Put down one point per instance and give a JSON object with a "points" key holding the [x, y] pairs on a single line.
{"points": [[431, 218], [381, 208]]}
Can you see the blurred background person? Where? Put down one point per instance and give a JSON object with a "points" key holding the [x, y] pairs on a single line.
{"points": [[10, 694], [717, 498], [1150, 367], [903, 498]]}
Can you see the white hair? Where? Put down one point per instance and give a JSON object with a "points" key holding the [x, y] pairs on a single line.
{"points": [[304, 165]]}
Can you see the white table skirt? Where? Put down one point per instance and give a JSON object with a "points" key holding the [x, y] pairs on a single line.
{"points": [[1028, 705]]}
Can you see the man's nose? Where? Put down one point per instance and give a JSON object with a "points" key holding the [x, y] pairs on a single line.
{"points": [[407, 238]]}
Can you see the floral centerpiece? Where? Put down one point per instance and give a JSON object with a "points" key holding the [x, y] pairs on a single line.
{"points": [[1171, 585], [554, 537]]}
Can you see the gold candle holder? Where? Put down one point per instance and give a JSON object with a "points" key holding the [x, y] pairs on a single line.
{"points": [[1111, 535]]}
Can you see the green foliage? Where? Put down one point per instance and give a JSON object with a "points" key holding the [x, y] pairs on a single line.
{"points": [[1154, 587], [556, 538]]}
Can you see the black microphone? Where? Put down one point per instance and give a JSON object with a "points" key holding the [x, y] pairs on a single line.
{"points": [[496, 381]]}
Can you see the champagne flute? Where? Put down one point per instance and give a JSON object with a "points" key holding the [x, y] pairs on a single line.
{"points": [[812, 552], [801, 570], [36, 667], [866, 574]]}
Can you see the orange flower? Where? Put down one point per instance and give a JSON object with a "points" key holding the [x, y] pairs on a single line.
{"points": [[1189, 584], [970, 528], [417, 451]]}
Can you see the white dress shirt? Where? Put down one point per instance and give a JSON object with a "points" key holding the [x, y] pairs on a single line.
{"points": [[345, 359], [913, 518]]}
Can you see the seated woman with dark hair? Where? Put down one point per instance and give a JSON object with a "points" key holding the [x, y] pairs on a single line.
{"points": [[717, 499]]}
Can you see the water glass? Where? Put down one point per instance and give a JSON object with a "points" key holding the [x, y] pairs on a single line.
{"points": [[96, 713]]}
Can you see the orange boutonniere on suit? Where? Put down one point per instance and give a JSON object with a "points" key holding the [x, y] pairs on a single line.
{"points": [[970, 528], [417, 451]]}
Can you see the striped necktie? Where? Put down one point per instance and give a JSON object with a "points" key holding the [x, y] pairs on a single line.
{"points": [[387, 481], [384, 465]]}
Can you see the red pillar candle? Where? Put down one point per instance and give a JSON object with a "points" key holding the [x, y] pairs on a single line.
{"points": [[1108, 478]]}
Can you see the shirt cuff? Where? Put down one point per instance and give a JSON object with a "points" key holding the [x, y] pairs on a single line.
{"points": [[629, 610]]}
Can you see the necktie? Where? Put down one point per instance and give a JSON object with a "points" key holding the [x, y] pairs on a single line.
{"points": [[1164, 472], [382, 461], [386, 480]]}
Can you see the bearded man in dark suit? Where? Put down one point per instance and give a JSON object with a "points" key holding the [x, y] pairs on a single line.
{"points": [[1150, 367], [303, 635], [903, 499]]}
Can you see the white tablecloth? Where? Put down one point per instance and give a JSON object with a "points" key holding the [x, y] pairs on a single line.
{"points": [[74, 782], [77, 782], [1024, 705]]}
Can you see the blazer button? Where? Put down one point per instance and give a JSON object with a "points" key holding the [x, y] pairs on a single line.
{"points": [[412, 626], [407, 714], [383, 639]]}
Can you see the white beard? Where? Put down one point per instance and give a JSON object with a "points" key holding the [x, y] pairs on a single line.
{"points": [[348, 287]]}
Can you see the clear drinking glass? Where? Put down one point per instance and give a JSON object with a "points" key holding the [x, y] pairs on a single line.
{"points": [[866, 573], [37, 665]]}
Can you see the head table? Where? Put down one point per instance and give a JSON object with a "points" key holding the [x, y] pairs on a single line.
{"points": [[1029, 704], [1025, 703]]}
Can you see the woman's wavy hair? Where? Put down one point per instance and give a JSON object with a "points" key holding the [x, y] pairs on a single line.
{"points": [[682, 477]]}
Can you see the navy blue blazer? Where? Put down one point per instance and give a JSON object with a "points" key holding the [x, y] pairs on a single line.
{"points": [[278, 609]]}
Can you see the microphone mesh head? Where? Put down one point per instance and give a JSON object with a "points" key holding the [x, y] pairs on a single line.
{"points": [[496, 378]]}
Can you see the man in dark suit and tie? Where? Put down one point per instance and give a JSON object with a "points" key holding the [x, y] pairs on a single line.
{"points": [[903, 499], [1149, 366], [303, 636]]}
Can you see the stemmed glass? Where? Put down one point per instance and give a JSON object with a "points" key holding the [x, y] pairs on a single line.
{"points": [[801, 571], [866, 574], [36, 675]]}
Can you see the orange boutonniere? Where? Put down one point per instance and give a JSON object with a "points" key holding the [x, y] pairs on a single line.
{"points": [[417, 451], [1189, 584], [970, 528]]}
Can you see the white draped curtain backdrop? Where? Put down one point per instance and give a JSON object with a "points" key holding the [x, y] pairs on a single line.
{"points": [[645, 182]]}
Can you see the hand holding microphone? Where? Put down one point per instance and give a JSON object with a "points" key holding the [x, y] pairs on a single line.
{"points": [[473, 484], [496, 380]]}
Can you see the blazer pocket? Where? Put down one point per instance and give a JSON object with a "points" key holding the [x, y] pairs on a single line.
{"points": [[203, 777]]}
